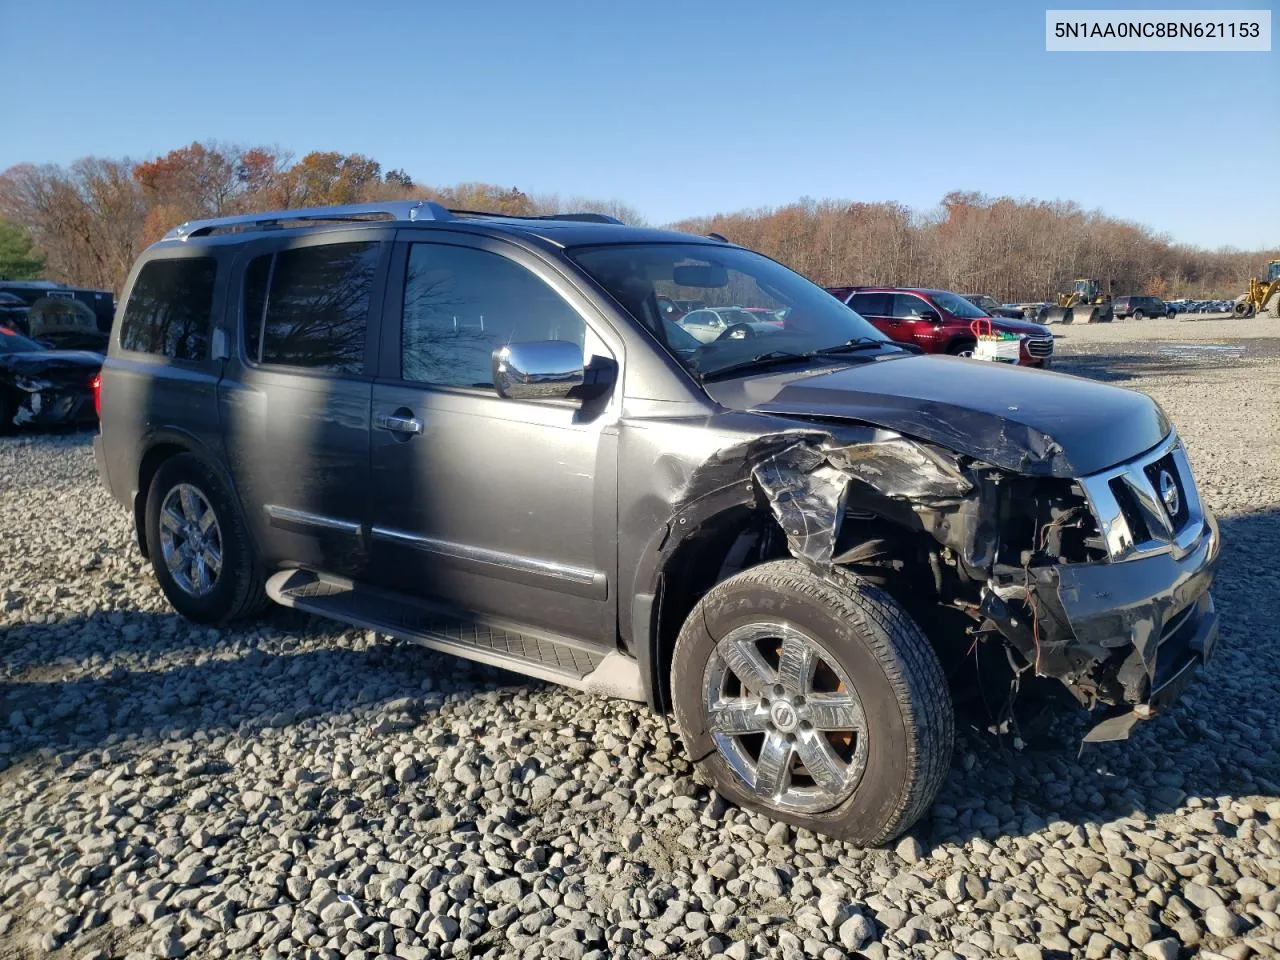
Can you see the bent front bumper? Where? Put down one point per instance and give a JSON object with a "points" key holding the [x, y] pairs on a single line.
{"points": [[1129, 636]]}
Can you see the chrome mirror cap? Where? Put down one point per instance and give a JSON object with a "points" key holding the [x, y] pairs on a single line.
{"points": [[544, 370]]}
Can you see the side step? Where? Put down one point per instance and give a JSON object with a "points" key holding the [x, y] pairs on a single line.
{"points": [[512, 647]]}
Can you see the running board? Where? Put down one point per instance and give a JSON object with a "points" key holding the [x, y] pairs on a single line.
{"points": [[515, 648]]}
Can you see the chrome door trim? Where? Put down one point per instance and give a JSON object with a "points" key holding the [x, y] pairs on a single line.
{"points": [[279, 516], [464, 551]]}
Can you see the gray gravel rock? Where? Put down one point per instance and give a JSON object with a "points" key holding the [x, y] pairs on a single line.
{"points": [[294, 788]]}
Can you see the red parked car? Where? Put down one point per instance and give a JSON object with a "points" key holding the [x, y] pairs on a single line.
{"points": [[939, 321]]}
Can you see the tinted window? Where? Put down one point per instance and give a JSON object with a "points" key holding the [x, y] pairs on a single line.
{"points": [[256, 278], [870, 304], [169, 309], [318, 307], [460, 304]]}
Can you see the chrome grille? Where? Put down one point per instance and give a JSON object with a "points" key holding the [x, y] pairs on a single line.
{"points": [[1136, 514], [1040, 347]]}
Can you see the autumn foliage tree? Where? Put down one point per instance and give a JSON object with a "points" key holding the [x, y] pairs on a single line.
{"points": [[1015, 250], [89, 221]]}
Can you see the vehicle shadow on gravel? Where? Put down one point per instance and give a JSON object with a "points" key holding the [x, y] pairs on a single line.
{"points": [[1218, 741], [182, 679]]}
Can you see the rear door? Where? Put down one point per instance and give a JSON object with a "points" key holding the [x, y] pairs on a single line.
{"points": [[502, 507], [295, 402]]}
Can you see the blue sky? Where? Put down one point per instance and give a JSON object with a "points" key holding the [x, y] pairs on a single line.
{"points": [[677, 108]]}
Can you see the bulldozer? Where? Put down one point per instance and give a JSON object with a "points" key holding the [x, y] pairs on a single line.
{"points": [[1086, 303], [1260, 294]]}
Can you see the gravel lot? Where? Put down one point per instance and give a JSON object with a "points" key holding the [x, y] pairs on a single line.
{"points": [[296, 789]]}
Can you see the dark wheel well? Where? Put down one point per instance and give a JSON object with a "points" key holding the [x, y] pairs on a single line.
{"points": [[151, 462], [892, 557], [731, 541]]}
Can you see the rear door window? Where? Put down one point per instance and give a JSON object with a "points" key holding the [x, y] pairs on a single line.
{"points": [[870, 304], [170, 308], [316, 310]]}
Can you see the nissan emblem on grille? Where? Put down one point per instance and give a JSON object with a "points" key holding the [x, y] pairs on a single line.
{"points": [[1169, 493]]}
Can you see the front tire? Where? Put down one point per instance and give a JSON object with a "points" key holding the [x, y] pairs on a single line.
{"points": [[813, 699], [1138, 315], [199, 545], [962, 348]]}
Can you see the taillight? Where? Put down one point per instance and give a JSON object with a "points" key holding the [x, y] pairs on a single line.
{"points": [[96, 386]]}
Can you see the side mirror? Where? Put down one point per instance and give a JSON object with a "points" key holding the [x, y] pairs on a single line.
{"points": [[544, 370], [931, 316]]}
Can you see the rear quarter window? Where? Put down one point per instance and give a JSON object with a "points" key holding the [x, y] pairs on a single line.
{"points": [[170, 309]]}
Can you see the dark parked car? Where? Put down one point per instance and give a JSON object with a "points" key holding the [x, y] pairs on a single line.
{"points": [[481, 434], [938, 321], [993, 307], [100, 302], [1139, 308], [44, 387]]}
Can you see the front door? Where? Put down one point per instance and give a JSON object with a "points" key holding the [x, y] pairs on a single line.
{"points": [[489, 505]]}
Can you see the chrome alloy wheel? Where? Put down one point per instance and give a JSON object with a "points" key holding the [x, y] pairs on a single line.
{"points": [[785, 716], [190, 540]]}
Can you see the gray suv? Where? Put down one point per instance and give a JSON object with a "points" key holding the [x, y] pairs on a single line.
{"points": [[483, 434]]}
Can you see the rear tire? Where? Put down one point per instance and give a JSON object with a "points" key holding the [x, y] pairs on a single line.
{"points": [[1243, 309], [855, 724], [1137, 315], [207, 566]]}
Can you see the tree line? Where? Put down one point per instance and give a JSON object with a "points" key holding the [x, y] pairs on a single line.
{"points": [[1015, 250], [86, 223]]}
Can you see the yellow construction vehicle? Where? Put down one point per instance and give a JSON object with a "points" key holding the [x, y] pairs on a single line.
{"points": [[1086, 303], [1260, 293]]}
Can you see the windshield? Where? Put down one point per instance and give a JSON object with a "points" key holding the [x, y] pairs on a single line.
{"points": [[13, 342], [765, 308], [956, 306]]}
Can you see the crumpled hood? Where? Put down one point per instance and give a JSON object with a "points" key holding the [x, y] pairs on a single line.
{"points": [[1027, 421]]}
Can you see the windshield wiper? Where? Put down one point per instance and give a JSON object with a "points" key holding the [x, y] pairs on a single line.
{"points": [[759, 360], [857, 343]]}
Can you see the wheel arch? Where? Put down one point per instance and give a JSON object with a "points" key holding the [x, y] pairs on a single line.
{"points": [[159, 448], [734, 536]]}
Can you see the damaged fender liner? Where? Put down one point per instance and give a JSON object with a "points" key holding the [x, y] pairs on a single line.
{"points": [[1083, 616]]}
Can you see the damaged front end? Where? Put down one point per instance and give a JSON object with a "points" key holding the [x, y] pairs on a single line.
{"points": [[1100, 582]]}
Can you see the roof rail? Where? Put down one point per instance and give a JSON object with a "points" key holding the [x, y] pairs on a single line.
{"points": [[400, 210], [579, 217]]}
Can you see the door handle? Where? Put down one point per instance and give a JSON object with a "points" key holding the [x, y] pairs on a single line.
{"points": [[397, 423]]}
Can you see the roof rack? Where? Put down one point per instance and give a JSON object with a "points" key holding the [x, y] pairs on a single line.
{"points": [[405, 211], [577, 217], [398, 210]]}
